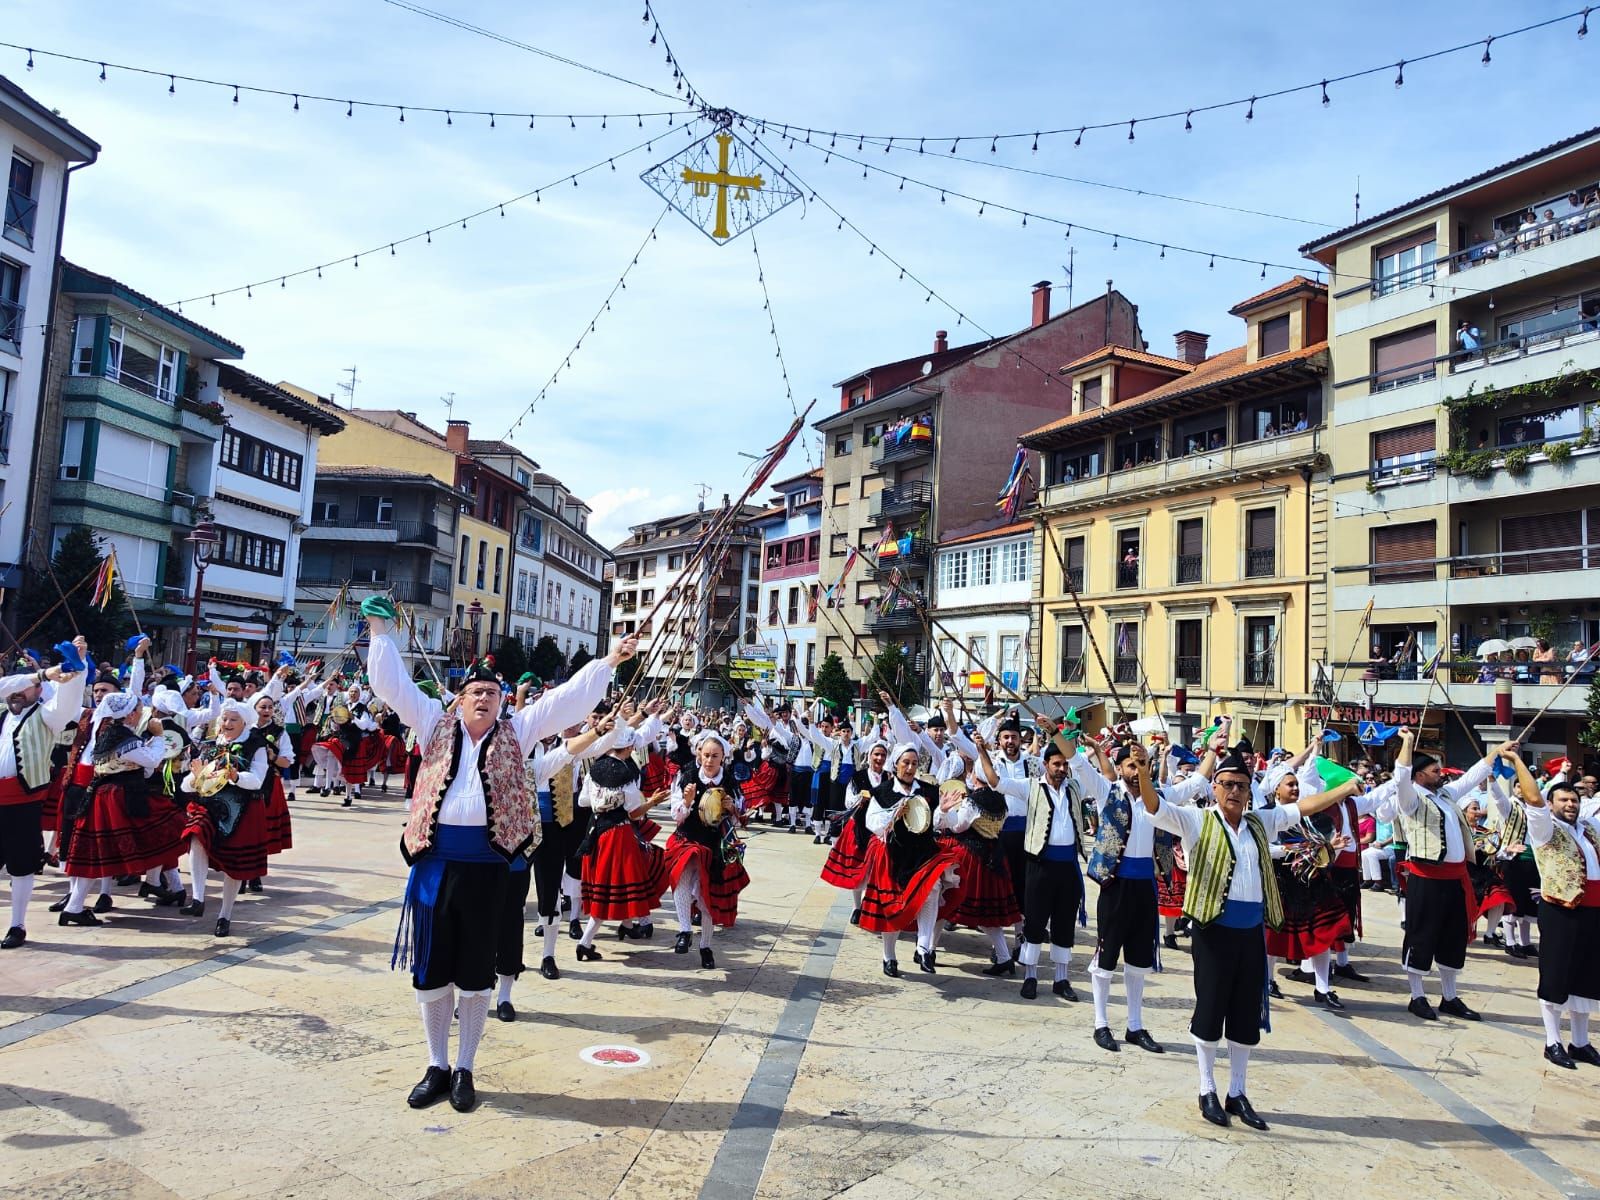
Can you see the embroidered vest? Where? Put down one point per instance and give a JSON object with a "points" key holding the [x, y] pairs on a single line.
{"points": [[32, 743], [505, 789], [1041, 812], [1561, 870], [1425, 838], [1211, 868], [1514, 832], [1111, 837], [561, 795]]}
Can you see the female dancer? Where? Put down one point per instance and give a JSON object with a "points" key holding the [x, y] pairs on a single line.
{"points": [[847, 859], [705, 858], [227, 823]]}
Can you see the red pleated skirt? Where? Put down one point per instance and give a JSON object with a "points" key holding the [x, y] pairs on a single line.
{"points": [[648, 829], [355, 766], [280, 830], [244, 854], [1170, 891], [1314, 917], [887, 907], [984, 898], [722, 894], [763, 788], [847, 859], [624, 878], [110, 841]]}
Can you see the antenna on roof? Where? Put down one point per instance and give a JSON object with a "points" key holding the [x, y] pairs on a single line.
{"points": [[449, 403], [1072, 257], [1358, 198], [705, 490], [349, 389]]}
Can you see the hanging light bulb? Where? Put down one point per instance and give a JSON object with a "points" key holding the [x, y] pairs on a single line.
{"points": [[30, 60], [888, 146], [1583, 26], [350, 108], [1325, 100], [1130, 131], [103, 66], [447, 118], [993, 142], [172, 80], [297, 104], [491, 120], [1078, 141], [1486, 59], [1163, 253], [1188, 124], [1400, 73], [1250, 113]]}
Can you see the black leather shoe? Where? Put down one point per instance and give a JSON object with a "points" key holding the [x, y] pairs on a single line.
{"points": [[433, 1087], [253, 886], [1063, 988], [463, 1096], [125, 880], [624, 933], [548, 968], [1103, 1039], [16, 935], [891, 968], [925, 962], [175, 899], [1584, 1054], [346, 804], [78, 918], [1142, 1039], [855, 917], [1239, 1106], [194, 908], [1170, 941], [588, 953], [816, 841], [150, 891], [224, 927], [1211, 1110], [647, 932], [1274, 990], [1456, 1008], [60, 905], [1516, 951], [707, 959], [1530, 951], [680, 944], [1030, 989], [695, 920], [1349, 972], [1329, 1000], [575, 930], [1296, 975], [1009, 967], [1556, 1053], [1420, 1007], [505, 1012]]}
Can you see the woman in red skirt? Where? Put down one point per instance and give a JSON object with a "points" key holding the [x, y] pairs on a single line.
{"points": [[985, 899], [624, 875], [349, 748], [705, 858], [906, 866], [120, 824], [1315, 917], [226, 821], [280, 754], [847, 860]]}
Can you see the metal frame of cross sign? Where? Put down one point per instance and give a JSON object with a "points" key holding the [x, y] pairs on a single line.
{"points": [[696, 182]]}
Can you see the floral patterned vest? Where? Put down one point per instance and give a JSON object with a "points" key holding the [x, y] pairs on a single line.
{"points": [[1561, 870], [511, 823]]}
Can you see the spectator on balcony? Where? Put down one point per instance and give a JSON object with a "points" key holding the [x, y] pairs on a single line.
{"points": [[1578, 661], [1469, 340], [1589, 314], [1300, 424], [1521, 671], [1548, 229], [1218, 440], [1130, 561], [1528, 230], [1483, 249], [1127, 463], [1546, 654], [1490, 667], [1271, 431]]}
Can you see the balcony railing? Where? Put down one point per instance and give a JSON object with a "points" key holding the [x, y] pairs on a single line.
{"points": [[896, 618], [1186, 667], [916, 556], [902, 499], [1072, 670], [1553, 337], [1257, 671], [1261, 563], [20, 213], [1127, 575], [404, 531], [1189, 568], [909, 446], [11, 313], [1075, 578], [1125, 668], [1529, 237], [408, 591], [5, 438]]}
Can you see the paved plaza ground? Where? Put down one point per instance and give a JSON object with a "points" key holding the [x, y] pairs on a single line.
{"points": [[147, 1059]]}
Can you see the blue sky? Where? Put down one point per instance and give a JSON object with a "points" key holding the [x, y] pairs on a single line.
{"points": [[194, 193]]}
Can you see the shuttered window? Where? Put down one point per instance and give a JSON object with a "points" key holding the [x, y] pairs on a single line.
{"points": [[1191, 537], [1403, 358], [1404, 544], [1274, 336], [1090, 390], [1260, 543], [1541, 543], [1396, 443]]}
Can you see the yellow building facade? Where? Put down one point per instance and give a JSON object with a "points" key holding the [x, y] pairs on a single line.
{"points": [[1183, 500]]}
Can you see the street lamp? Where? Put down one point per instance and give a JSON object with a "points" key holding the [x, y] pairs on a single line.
{"points": [[1369, 685], [298, 628], [475, 616], [203, 542]]}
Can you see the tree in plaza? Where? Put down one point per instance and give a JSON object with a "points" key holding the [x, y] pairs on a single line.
{"points": [[76, 560], [626, 673], [510, 659], [892, 673], [833, 685], [547, 661], [580, 657]]}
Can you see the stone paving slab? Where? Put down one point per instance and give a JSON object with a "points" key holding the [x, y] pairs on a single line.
{"points": [[148, 1059]]}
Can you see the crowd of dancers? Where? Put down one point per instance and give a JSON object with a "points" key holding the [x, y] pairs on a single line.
{"points": [[932, 827]]}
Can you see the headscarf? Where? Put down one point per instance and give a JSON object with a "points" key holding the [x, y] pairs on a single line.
{"points": [[240, 709], [168, 702], [118, 706], [900, 749], [711, 735], [1273, 777]]}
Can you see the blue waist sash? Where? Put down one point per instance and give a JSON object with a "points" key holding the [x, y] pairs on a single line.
{"points": [[414, 937], [1014, 825], [1136, 868], [1241, 914], [547, 808]]}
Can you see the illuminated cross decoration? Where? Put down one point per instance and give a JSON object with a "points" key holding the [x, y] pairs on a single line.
{"points": [[704, 181], [696, 182]]}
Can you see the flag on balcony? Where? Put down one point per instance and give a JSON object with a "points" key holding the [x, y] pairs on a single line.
{"points": [[888, 547], [1432, 665], [904, 542], [105, 580], [977, 680], [1010, 498], [1122, 639], [811, 603], [849, 565]]}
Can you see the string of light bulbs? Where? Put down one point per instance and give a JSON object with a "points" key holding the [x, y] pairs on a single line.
{"points": [[678, 77], [620, 285], [1187, 114], [468, 27], [426, 235], [496, 117], [772, 326]]}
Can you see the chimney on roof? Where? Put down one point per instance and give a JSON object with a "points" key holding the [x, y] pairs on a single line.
{"points": [[1041, 303], [1192, 345], [455, 435], [941, 341]]}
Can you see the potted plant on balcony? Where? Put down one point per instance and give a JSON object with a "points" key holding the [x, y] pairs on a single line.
{"points": [[1516, 459]]}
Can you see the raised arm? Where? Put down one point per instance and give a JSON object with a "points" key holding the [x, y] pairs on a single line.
{"points": [[1531, 796], [392, 682]]}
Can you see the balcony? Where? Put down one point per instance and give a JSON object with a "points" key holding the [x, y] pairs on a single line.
{"points": [[1556, 337], [1261, 563], [1074, 579], [915, 557], [915, 442], [906, 499], [1258, 670], [1127, 575], [1527, 697], [1189, 569], [1072, 670], [1125, 668], [418, 533], [11, 314], [21, 210], [407, 591], [895, 619], [1186, 667], [1257, 459]]}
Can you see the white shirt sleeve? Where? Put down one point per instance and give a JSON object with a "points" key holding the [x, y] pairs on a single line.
{"points": [[899, 727], [1017, 789], [1405, 793], [879, 818], [252, 779], [963, 744], [1541, 825], [149, 755], [560, 707], [1188, 791], [392, 683], [1474, 775], [1279, 817], [758, 716], [274, 688], [60, 705], [1182, 820], [1091, 782], [136, 672]]}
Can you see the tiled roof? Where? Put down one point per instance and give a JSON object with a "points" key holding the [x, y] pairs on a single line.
{"points": [[496, 447], [375, 472], [1339, 235], [1286, 288], [1219, 368], [147, 304], [252, 387], [951, 353], [1127, 355], [1010, 530]]}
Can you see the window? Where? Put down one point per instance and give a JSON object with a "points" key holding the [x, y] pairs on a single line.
{"points": [[674, 562], [1011, 659], [1198, 434], [131, 463], [1069, 466], [370, 568], [1188, 643], [1089, 393], [1072, 550], [72, 448], [981, 567], [1261, 644], [841, 493], [1127, 558], [21, 204], [1274, 335], [85, 331], [978, 652], [1412, 546], [324, 512], [138, 562], [813, 549], [1014, 562], [499, 566], [1549, 425], [1137, 448], [1190, 565], [772, 606], [811, 663], [250, 552], [463, 560], [141, 363], [1403, 358], [1548, 542], [649, 568], [483, 563], [1260, 543], [1291, 413], [794, 606], [952, 570], [1125, 665], [375, 510], [843, 445], [1399, 452], [838, 545], [1070, 640], [251, 456], [8, 384], [11, 307], [1404, 262], [647, 596]]}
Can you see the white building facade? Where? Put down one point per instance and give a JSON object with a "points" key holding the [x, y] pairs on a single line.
{"points": [[980, 608], [41, 151], [791, 537]]}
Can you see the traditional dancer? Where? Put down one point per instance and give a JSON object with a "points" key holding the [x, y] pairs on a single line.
{"points": [[846, 866], [1518, 870], [1231, 892], [469, 817], [227, 820], [624, 873], [983, 899], [705, 858], [1441, 908], [348, 749], [280, 760], [35, 716]]}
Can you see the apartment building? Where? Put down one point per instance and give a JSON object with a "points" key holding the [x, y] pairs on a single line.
{"points": [[1183, 523], [791, 552], [1466, 433], [982, 604]]}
